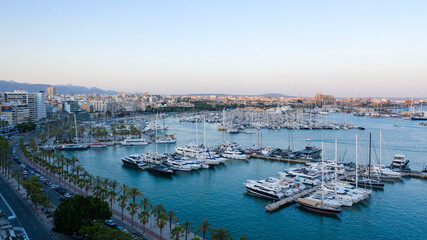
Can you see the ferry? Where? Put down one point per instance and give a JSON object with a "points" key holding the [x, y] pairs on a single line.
{"points": [[134, 142]]}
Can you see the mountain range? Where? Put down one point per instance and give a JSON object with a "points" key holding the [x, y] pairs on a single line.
{"points": [[10, 86]]}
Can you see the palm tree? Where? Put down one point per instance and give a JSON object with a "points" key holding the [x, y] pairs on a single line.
{"points": [[203, 228], [78, 169], [132, 209], [143, 217], [157, 210], [134, 193], [122, 203], [243, 238], [171, 215], [145, 203], [176, 232], [111, 198], [221, 234], [162, 219], [114, 184], [17, 175], [123, 189], [187, 228]]}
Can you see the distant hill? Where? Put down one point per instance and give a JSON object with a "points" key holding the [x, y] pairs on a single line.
{"points": [[9, 86]]}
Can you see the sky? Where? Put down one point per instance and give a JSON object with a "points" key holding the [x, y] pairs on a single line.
{"points": [[344, 48]]}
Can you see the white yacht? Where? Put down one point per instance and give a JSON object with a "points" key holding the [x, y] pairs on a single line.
{"points": [[189, 150], [134, 142], [400, 162], [233, 154], [386, 172], [264, 191]]}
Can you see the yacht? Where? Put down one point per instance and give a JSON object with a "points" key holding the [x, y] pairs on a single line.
{"points": [[134, 161], [400, 162], [165, 140], [303, 175], [319, 206], [160, 169], [264, 191], [97, 145], [234, 155], [134, 142], [73, 147], [189, 150], [384, 172]]}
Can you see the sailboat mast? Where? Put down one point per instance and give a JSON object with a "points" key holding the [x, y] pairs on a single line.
{"points": [[204, 130], [155, 129], [357, 175], [369, 176], [75, 122], [323, 170], [197, 131], [336, 164], [380, 154]]}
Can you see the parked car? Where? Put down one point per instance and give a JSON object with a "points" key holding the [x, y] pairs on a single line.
{"points": [[110, 223]]}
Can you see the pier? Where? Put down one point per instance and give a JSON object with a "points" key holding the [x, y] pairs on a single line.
{"points": [[415, 174], [279, 159], [271, 207]]}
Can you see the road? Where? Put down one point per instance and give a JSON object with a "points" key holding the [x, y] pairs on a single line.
{"points": [[25, 217]]}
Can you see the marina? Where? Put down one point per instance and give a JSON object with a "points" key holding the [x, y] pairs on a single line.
{"points": [[231, 196]]}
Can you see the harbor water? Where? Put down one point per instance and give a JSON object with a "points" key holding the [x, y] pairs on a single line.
{"points": [[397, 212]]}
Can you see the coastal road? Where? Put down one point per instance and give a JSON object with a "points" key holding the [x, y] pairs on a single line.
{"points": [[25, 217]]}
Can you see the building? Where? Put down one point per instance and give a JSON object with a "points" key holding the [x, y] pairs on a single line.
{"points": [[70, 106], [40, 105], [51, 91], [87, 107], [324, 99], [36, 102], [14, 113]]}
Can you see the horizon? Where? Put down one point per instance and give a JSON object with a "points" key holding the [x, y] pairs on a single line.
{"points": [[226, 94], [356, 49]]}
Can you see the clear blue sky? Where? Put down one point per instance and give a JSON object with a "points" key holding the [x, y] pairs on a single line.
{"points": [[344, 48]]}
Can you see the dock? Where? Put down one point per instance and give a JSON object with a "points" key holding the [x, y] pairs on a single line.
{"points": [[271, 207], [415, 174], [279, 159]]}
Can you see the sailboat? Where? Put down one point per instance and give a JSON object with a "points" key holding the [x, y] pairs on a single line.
{"points": [[76, 146], [319, 206], [366, 182]]}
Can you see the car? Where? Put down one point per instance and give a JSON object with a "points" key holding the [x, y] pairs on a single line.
{"points": [[60, 190], [53, 186], [110, 223], [67, 195], [25, 172]]}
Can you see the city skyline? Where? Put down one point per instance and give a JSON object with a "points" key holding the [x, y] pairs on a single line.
{"points": [[241, 48]]}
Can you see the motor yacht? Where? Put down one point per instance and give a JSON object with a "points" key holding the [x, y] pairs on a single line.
{"points": [[134, 142]]}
